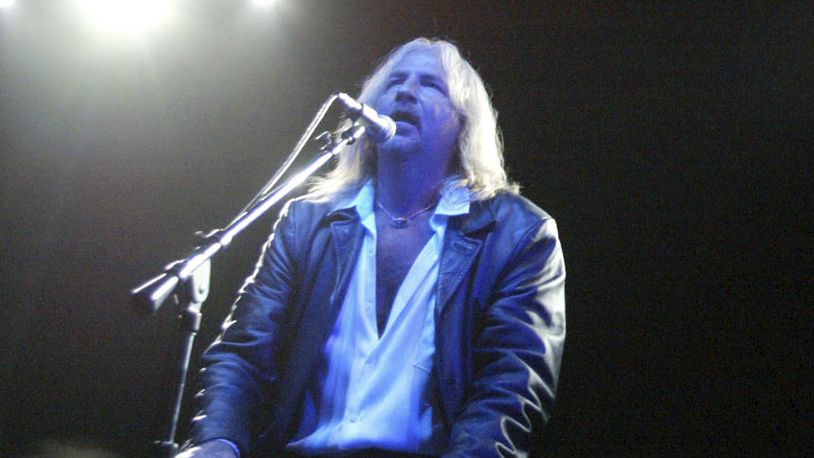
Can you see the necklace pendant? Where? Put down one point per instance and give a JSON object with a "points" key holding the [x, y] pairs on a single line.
{"points": [[399, 223]]}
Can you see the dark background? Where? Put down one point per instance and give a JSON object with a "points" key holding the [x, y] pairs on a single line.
{"points": [[670, 142]]}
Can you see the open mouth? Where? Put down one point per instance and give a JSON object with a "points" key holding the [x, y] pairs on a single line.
{"points": [[405, 116]]}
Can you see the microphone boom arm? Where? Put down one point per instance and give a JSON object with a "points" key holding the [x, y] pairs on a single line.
{"points": [[148, 297], [188, 279]]}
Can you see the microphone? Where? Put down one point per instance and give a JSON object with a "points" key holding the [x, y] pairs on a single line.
{"points": [[379, 128]]}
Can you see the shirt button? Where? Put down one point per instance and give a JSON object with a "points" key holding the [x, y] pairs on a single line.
{"points": [[353, 419]]}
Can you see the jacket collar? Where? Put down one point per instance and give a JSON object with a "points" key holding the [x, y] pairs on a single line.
{"points": [[479, 218], [454, 202], [352, 207], [341, 214], [480, 215]]}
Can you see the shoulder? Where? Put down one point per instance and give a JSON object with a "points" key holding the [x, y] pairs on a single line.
{"points": [[305, 209], [512, 220], [511, 208]]}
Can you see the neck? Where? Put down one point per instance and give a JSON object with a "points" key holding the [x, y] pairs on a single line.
{"points": [[407, 187]]}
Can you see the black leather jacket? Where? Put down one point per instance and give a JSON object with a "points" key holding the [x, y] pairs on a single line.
{"points": [[500, 328]]}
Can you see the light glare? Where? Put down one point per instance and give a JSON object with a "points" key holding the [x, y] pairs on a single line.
{"points": [[6, 3], [124, 17]]}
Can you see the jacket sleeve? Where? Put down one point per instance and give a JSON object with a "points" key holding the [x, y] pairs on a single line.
{"points": [[517, 352], [240, 368]]}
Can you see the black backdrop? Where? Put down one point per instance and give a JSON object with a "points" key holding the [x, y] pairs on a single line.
{"points": [[671, 144]]}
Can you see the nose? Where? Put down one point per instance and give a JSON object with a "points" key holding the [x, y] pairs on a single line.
{"points": [[406, 91]]}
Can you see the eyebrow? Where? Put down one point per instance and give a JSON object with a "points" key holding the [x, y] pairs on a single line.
{"points": [[398, 75]]}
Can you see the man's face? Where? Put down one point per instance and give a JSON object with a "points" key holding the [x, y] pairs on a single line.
{"points": [[416, 96]]}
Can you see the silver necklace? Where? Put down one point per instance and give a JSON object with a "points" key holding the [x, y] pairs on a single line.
{"points": [[401, 223]]}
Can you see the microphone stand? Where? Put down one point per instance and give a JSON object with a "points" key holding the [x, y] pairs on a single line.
{"points": [[188, 279]]}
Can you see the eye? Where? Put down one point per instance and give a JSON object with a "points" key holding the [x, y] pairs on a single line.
{"points": [[394, 81], [435, 84]]}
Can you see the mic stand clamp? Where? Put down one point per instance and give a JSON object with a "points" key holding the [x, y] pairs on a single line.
{"points": [[190, 299]]}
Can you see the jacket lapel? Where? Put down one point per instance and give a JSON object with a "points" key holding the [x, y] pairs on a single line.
{"points": [[323, 308], [321, 312], [461, 247], [347, 234]]}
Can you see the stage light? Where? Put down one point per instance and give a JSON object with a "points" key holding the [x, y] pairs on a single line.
{"points": [[128, 18], [6, 3], [263, 2]]}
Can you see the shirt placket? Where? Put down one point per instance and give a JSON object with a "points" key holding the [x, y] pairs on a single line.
{"points": [[366, 341]]}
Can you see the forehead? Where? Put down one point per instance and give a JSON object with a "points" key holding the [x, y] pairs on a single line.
{"points": [[423, 61]]}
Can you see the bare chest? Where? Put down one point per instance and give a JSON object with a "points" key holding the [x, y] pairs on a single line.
{"points": [[396, 251]]}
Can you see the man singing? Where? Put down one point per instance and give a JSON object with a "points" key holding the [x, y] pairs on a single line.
{"points": [[412, 304]]}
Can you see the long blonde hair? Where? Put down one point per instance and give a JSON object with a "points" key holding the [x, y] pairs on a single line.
{"points": [[480, 160]]}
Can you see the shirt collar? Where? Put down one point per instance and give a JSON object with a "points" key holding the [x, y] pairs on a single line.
{"points": [[454, 201], [362, 201]]}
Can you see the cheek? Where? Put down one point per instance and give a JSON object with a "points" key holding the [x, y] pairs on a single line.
{"points": [[445, 118], [379, 103], [451, 124]]}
